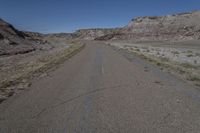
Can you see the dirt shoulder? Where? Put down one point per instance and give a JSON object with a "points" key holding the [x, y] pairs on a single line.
{"points": [[179, 58], [18, 70]]}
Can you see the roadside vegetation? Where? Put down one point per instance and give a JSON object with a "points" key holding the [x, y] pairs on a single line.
{"points": [[19, 78], [183, 63]]}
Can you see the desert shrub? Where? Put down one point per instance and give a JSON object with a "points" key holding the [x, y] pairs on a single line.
{"points": [[175, 52], [187, 65], [137, 50], [164, 59], [189, 51], [190, 55], [194, 78], [197, 54]]}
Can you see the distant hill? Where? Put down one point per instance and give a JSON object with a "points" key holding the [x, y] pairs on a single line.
{"points": [[183, 26], [91, 34], [13, 41], [8, 31]]}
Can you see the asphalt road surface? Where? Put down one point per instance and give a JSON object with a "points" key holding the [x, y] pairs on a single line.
{"points": [[100, 90]]}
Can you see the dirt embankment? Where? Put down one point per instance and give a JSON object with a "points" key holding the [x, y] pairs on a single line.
{"points": [[26, 54], [16, 71]]}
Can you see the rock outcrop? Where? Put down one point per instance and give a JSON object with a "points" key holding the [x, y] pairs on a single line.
{"points": [[1, 37], [68, 36], [8, 31], [12, 41], [91, 34], [184, 26]]}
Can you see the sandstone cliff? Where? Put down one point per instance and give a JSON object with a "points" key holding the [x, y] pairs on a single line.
{"points": [[184, 26]]}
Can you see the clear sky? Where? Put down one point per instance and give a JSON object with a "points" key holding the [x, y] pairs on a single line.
{"points": [[49, 16]]}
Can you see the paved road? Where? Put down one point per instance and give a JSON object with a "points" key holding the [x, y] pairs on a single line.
{"points": [[100, 91]]}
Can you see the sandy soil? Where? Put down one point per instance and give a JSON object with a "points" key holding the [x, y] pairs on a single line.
{"points": [[17, 69], [100, 91], [175, 55]]}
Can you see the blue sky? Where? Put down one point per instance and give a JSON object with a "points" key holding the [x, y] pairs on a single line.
{"points": [[49, 16]]}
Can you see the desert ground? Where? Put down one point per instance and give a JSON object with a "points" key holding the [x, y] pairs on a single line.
{"points": [[18, 70], [179, 58], [143, 77], [101, 89]]}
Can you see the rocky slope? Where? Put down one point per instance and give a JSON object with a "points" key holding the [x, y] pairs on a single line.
{"points": [[8, 31], [183, 26], [12, 41], [91, 34]]}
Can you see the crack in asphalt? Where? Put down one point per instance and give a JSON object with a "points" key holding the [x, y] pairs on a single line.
{"points": [[77, 97]]}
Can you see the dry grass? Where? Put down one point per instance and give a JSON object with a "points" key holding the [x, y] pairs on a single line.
{"points": [[29, 70], [184, 70]]}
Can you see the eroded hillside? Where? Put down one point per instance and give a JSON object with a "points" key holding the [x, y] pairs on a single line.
{"points": [[184, 26]]}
